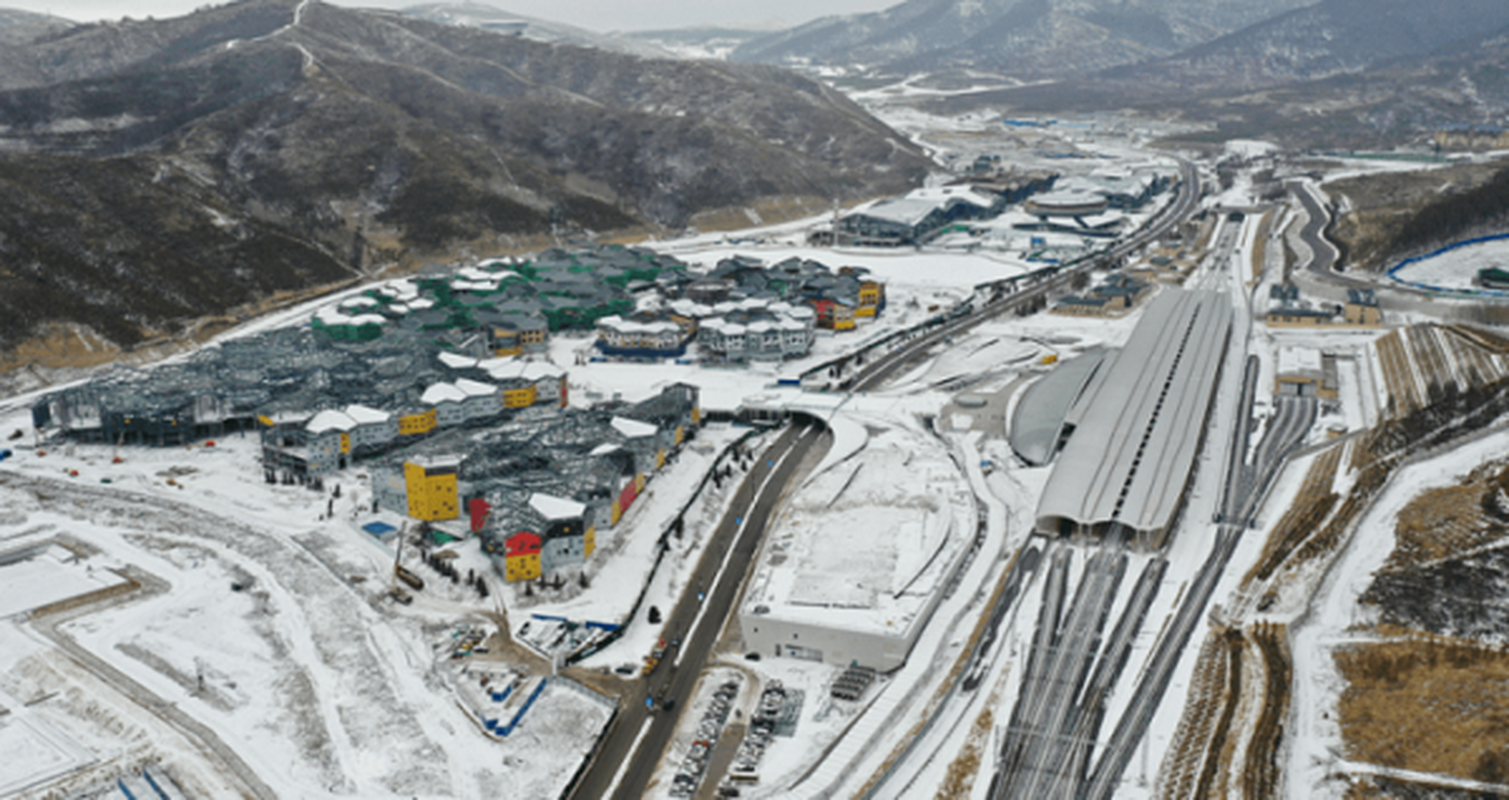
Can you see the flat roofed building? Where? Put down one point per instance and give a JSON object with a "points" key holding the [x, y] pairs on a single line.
{"points": [[1306, 372], [1125, 469]]}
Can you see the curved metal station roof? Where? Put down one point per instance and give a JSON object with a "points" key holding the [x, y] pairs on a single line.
{"points": [[1039, 415], [1129, 459]]}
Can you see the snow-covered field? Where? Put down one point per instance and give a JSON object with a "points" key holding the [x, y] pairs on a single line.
{"points": [[268, 622], [1455, 268]]}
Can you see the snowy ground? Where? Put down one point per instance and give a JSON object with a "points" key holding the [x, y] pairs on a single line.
{"points": [[1334, 616], [1455, 269], [309, 674], [324, 687]]}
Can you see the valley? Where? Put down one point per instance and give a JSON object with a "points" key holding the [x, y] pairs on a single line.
{"points": [[448, 403]]}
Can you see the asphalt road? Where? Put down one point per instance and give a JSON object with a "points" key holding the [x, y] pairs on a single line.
{"points": [[1324, 254], [697, 623]]}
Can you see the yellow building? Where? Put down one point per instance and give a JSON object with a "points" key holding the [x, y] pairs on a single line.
{"points": [[521, 560], [1362, 308], [506, 343], [532, 338], [870, 295], [418, 423], [521, 398], [432, 490]]}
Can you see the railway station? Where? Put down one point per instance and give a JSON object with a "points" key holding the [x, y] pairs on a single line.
{"points": [[1125, 468]]}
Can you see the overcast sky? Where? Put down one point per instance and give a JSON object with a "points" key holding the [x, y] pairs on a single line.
{"points": [[598, 15]]}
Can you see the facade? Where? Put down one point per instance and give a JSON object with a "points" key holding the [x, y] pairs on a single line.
{"points": [[1117, 295], [1362, 308], [522, 557], [871, 299], [1288, 310], [641, 336], [373, 431], [565, 544], [1472, 137], [833, 315], [776, 332], [390, 489], [431, 487], [1306, 372]]}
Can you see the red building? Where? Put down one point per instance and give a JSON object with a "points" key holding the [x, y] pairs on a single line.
{"points": [[522, 556]]}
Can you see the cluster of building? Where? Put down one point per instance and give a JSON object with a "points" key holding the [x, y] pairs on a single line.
{"points": [[507, 307], [1116, 295], [1091, 205], [538, 491], [917, 216], [1472, 137], [1125, 189], [744, 310], [1286, 309], [464, 392]]}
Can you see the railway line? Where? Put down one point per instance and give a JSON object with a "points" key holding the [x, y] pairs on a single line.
{"points": [[1041, 747]]}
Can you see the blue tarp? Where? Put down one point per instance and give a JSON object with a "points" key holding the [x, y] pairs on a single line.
{"points": [[378, 528]]}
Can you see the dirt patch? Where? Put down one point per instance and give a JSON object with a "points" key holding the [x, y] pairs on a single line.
{"points": [[1432, 705], [962, 771], [766, 212]]}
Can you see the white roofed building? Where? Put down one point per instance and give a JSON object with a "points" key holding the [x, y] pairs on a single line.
{"points": [[1127, 464], [447, 400], [916, 216]]}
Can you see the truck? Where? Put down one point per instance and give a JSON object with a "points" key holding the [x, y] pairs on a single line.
{"points": [[407, 576]]}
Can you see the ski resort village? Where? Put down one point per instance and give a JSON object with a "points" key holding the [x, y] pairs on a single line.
{"points": [[1081, 472]]}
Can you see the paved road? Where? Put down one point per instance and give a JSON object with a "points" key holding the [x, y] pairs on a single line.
{"points": [[623, 748], [1324, 255]]}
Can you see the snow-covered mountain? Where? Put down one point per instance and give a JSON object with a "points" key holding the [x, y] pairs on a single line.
{"points": [[1025, 38]]}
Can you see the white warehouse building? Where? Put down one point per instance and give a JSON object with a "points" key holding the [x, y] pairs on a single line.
{"points": [[854, 568]]}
